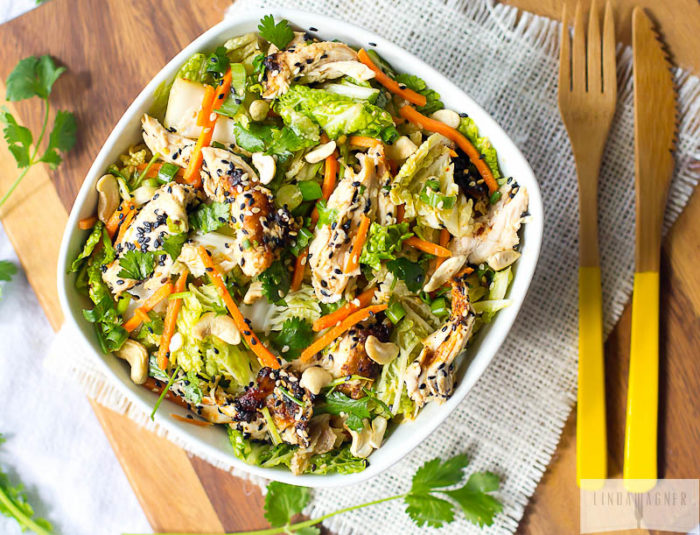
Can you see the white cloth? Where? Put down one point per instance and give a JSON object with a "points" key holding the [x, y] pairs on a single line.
{"points": [[511, 421], [55, 445]]}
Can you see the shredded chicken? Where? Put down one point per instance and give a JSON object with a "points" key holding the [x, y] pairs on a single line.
{"points": [[355, 196], [323, 437], [147, 232], [308, 63], [171, 147], [431, 375], [497, 230]]}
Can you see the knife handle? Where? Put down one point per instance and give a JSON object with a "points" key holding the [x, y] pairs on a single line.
{"points": [[591, 441], [643, 386]]}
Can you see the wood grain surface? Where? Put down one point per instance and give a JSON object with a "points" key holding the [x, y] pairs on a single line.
{"points": [[111, 49]]}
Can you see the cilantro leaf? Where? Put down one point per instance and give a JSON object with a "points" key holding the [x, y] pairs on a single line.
{"points": [[478, 506], [426, 509], [137, 265], [356, 409], [19, 138], [173, 244], [412, 273], [284, 501], [432, 97], [436, 473], [279, 34], [210, 217], [7, 269], [62, 138], [275, 282], [32, 77], [296, 335]]}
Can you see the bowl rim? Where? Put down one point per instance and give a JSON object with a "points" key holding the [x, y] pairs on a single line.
{"points": [[525, 269]]}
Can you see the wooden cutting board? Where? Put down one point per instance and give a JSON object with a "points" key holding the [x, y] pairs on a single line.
{"points": [[111, 49]]}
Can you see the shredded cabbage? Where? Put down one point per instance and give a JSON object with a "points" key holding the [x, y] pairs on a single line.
{"points": [[468, 127], [301, 304], [425, 179]]}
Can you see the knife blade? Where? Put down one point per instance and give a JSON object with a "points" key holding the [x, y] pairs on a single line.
{"points": [[655, 118]]}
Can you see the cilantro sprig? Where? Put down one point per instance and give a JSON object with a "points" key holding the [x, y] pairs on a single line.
{"points": [[35, 77], [7, 270], [431, 500], [279, 34], [14, 504]]}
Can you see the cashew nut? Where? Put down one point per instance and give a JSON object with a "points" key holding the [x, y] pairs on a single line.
{"points": [[401, 149], [314, 379], [369, 438], [107, 197], [137, 357], [381, 352], [143, 194], [258, 110], [320, 153], [448, 117], [265, 164], [222, 327], [445, 272], [255, 292], [503, 259]]}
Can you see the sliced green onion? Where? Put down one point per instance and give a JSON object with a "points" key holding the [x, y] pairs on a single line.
{"points": [[433, 184], [165, 391], [289, 196], [145, 171], [271, 427], [495, 197], [238, 78], [437, 200], [290, 397], [179, 295], [310, 190], [439, 307], [167, 172], [303, 238], [246, 244], [151, 183], [123, 303], [395, 312]]}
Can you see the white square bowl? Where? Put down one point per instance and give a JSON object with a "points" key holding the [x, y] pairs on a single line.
{"points": [[214, 442]]}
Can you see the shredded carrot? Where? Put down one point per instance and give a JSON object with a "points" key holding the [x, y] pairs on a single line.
{"points": [[170, 322], [428, 247], [400, 213], [466, 271], [444, 240], [87, 223], [334, 332], [222, 90], [198, 423], [462, 142], [398, 120], [204, 115], [390, 84], [117, 217], [361, 301], [453, 154], [299, 267], [192, 175], [141, 313], [358, 243], [364, 141], [264, 355], [124, 226], [329, 178]]}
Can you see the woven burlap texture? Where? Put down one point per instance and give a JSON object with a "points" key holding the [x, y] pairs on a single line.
{"points": [[511, 421]]}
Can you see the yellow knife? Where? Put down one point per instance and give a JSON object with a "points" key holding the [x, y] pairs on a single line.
{"points": [[654, 128]]}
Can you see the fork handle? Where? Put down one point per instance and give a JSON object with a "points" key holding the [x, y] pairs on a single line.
{"points": [[643, 386], [591, 441]]}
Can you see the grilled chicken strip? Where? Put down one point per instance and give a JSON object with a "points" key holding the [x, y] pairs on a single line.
{"points": [[147, 232], [496, 231], [309, 63], [431, 375], [172, 147], [222, 171], [244, 411], [355, 196], [347, 356], [386, 209]]}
